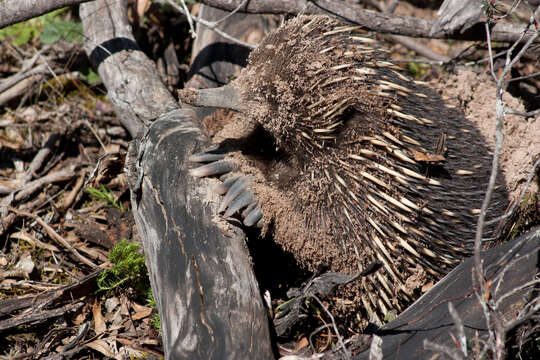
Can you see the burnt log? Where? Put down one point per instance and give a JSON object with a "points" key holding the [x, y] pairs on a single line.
{"points": [[200, 268], [509, 266]]}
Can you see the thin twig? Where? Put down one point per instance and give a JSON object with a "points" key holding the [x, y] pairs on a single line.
{"points": [[499, 108], [524, 77], [451, 352], [211, 26], [524, 314], [189, 19], [55, 236], [231, 13], [315, 332], [462, 339], [496, 334], [522, 113], [40, 157], [70, 198], [340, 338], [515, 290], [491, 67]]}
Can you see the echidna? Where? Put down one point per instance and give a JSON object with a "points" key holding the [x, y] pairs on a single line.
{"points": [[371, 166]]}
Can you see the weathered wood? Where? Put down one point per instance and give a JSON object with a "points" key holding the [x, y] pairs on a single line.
{"points": [[457, 15], [49, 304], [200, 269], [14, 11], [209, 304], [372, 20], [429, 318]]}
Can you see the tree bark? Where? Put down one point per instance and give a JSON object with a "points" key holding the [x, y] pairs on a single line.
{"points": [[200, 268], [429, 318]]}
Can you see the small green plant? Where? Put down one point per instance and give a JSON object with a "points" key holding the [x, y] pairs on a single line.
{"points": [[46, 26], [416, 70], [391, 315], [106, 195], [128, 269], [61, 30], [150, 301]]}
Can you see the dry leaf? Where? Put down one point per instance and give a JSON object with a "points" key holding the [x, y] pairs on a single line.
{"points": [[124, 341], [427, 286], [102, 347], [149, 341], [23, 235], [302, 343], [26, 264], [79, 319], [142, 313], [111, 303], [99, 323]]}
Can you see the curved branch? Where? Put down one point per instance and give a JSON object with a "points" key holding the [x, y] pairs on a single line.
{"points": [[373, 20]]}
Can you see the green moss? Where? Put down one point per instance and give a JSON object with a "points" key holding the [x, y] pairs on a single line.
{"points": [[150, 301], [417, 70], [128, 269]]}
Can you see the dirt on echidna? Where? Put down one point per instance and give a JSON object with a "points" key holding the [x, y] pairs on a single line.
{"points": [[361, 188]]}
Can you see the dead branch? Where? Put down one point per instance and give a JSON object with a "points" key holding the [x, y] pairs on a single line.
{"points": [[30, 188], [39, 316], [21, 87], [200, 270], [14, 11], [56, 237], [212, 24], [373, 20], [53, 300]]}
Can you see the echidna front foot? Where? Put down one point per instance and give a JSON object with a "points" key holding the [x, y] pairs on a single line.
{"points": [[215, 164], [237, 196]]}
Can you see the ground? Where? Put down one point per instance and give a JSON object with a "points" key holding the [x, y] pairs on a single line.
{"points": [[65, 201]]}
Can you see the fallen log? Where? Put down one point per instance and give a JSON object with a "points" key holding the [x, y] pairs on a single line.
{"points": [[508, 266], [200, 269]]}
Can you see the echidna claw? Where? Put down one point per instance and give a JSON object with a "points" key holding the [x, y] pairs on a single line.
{"points": [[207, 156], [235, 187], [243, 200], [213, 168], [238, 187], [254, 217], [222, 188]]}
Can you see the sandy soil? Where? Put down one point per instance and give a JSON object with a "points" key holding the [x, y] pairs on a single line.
{"points": [[476, 95]]}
